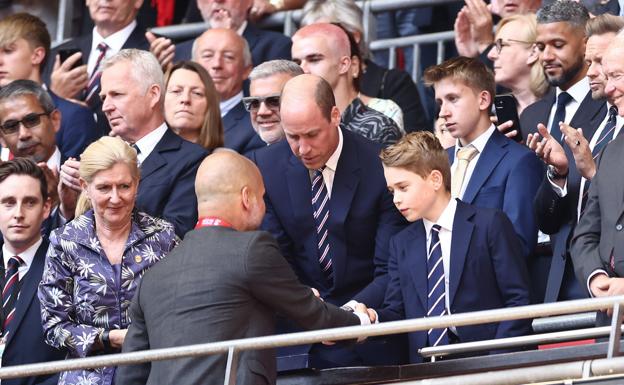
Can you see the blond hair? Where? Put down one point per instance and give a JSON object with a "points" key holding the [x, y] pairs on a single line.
{"points": [[102, 155], [421, 153], [28, 27]]}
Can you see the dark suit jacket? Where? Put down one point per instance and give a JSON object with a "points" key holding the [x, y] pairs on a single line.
{"points": [[238, 133], [78, 128], [264, 46], [487, 271], [229, 293], [599, 234], [167, 186], [506, 177], [83, 43], [557, 215], [26, 343], [397, 85]]}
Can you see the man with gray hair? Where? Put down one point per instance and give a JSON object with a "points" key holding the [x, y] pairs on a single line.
{"points": [[226, 57], [265, 89], [561, 41], [132, 100]]}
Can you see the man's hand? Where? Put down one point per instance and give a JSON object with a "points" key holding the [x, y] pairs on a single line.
{"points": [[616, 286], [162, 48], [316, 293], [481, 23], [599, 285], [464, 42], [505, 127], [69, 188], [548, 149], [222, 19], [70, 174], [117, 337], [372, 314], [580, 150], [260, 9], [52, 179], [67, 82]]}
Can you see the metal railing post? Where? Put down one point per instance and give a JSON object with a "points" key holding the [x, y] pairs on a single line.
{"points": [[289, 23], [232, 366], [616, 331], [416, 62], [366, 8], [441, 51]]}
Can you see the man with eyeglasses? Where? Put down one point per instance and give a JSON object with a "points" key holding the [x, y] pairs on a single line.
{"points": [[574, 102], [227, 58], [267, 81]]}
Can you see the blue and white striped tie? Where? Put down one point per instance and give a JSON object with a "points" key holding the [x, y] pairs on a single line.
{"points": [[320, 205], [436, 301]]}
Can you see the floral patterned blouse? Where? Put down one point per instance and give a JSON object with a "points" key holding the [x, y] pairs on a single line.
{"points": [[82, 294]]}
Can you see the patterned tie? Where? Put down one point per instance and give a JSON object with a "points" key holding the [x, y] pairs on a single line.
{"points": [[464, 156], [436, 302], [10, 292], [560, 114], [606, 135], [320, 204], [91, 92]]}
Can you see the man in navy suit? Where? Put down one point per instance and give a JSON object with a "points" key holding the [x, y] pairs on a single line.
{"points": [[453, 258], [233, 14], [500, 173], [24, 205], [345, 255], [132, 86], [562, 41], [226, 57], [115, 29], [25, 43]]}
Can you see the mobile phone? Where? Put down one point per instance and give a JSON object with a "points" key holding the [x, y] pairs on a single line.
{"points": [[506, 108], [66, 53]]}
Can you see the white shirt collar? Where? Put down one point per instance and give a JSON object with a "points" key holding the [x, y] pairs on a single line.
{"points": [[241, 29], [227, 105], [332, 162], [578, 91], [54, 163], [147, 143], [479, 142], [28, 255], [446, 218], [115, 41]]}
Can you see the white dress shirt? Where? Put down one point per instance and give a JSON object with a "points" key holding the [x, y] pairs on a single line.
{"points": [[147, 143], [578, 92], [27, 256], [330, 167], [479, 143], [227, 105], [54, 163], [114, 42]]}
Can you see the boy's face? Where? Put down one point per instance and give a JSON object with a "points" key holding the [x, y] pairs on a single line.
{"points": [[413, 195], [18, 60], [461, 108]]}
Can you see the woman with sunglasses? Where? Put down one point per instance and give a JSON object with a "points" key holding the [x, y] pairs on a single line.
{"points": [[192, 105], [516, 64]]}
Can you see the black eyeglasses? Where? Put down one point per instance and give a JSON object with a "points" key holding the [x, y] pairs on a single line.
{"points": [[272, 102], [499, 44], [10, 127]]}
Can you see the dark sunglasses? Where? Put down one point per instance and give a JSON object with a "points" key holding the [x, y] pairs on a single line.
{"points": [[272, 102], [29, 121]]}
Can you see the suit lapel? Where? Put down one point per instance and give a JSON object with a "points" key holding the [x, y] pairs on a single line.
{"points": [[346, 181], [233, 116], [28, 289], [155, 160], [492, 154], [417, 260], [588, 116], [251, 35], [460, 242]]}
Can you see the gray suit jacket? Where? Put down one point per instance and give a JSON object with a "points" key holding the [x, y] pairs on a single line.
{"points": [[599, 233], [219, 284]]}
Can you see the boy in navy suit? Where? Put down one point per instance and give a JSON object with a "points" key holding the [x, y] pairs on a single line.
{"points": [[454, 257]]}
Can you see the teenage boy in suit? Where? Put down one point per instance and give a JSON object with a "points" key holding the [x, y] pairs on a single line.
{"points": [[454, 257]]}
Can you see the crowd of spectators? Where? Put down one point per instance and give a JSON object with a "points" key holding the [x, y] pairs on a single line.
{"points": [[158, 193]]}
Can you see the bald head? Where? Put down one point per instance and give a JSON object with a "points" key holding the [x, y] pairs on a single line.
{"points": [[334, 34], [230, 186], [306, 88]]}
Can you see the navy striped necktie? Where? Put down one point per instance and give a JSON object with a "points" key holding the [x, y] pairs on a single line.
{"points": [[436, 296], [320, 205], [10, 292]]}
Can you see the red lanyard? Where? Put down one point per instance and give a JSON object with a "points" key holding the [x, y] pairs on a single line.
{"points": [[211, 221]]}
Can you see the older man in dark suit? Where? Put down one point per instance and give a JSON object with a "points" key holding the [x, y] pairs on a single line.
{"points": [[229, 293], [132, 86]]}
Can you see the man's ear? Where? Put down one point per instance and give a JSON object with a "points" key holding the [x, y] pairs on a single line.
{"points": [[38, 56], [155, 93], [47, 207], [246, 198], [344, 65], [485, 100], [55, 118]]}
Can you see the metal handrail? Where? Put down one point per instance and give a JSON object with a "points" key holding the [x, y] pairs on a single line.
{"points": [[337, 334]]}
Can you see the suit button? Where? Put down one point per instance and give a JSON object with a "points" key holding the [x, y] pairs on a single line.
{"points": [[618, 227]]}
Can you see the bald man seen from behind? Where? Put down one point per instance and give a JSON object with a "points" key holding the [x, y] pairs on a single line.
{"points": [[224, 281]]}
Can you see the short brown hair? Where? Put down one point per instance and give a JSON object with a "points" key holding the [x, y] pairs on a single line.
{"points": [[603, 24], [324, 98], [419, 152], [24, 166], [472, 72], [28, 27]]}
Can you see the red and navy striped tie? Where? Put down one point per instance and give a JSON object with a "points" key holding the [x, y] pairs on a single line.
{"points": [[93, 87], [10, 292], [320, 204]]}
